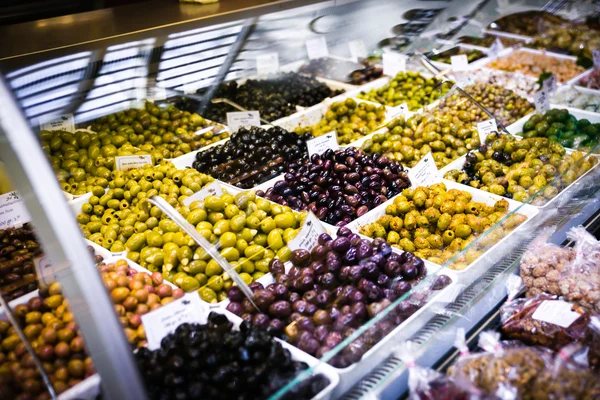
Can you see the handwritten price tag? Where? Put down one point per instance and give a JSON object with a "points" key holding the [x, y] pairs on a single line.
{"points": [[212, 189], [425, 172], [401, 110], [496, 48], [459, 62], [308, 235], [316, 48], [393, 63], [267, 63], [65, 122], [358, 51], [485, 128], [549, 84], [542, 102], [12, 210], [556, 312], [319, 144], [125, 163], [164, 320], [237, 120]]}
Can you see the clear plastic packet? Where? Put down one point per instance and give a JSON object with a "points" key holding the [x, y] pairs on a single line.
{"points": [[543, 263], [580, 281], [427, 384], [567, 377], [498, 372]]}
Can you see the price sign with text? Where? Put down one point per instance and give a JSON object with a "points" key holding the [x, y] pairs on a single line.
{"points": [[393, 63], [317, 48], [212, 189], [425, 172], [319, 144], [237, 120], [125, 163], [12, 210], [65, 122]]}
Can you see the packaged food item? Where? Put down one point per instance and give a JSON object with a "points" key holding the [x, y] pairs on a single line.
{"points": [[499, 372], [543, 320], [543, 264], [580, 281]]}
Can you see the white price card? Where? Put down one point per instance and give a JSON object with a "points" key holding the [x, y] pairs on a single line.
{"points": [[596, 58], [542, 101], [556, 312], [393, 63], [308, 235], [46, 270], [12, 210], [164, 320], [212, 189], [459, 62], [549, 84], [495, 48], [485, 128], [240, 119], [319, 144], [425, 172], [316, 48], [358, 50], [125, 163], [65, 122], [267, 63], [401, 110]]}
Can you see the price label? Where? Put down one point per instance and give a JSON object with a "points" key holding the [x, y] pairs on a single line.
{"points": [[156, 93], [401, 110], [212, 189], [485, 128], [316, 48], [267, 63], [12, 210], [319, 144], [556, 312], [542, 102], [463, 80], [459, 62], [549, 84], [125, 163], [495, 48], [164, 320], [358, 51], [46, 270], [65, 122], [596, 58], [308, 235], [237, 120], [425, 172], [393, 63]]}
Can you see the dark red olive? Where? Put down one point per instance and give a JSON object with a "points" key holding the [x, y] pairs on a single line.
{"points": [[235, 294], [280, 309], [341, 244], [235, 308], [263, 299], [440, 282], [300, 257]]}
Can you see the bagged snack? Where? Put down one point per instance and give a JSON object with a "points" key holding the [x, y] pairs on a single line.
{"points": [[543, 264], [542, 320], [427, 384], [567, 377], [580, 281]]}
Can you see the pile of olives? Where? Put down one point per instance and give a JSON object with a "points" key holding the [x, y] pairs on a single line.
{"points": [[343, 71], [506, 106], [447, 137], [560, 126], [252, 156], [18, 248], [331, 291], [275, 97], [533, 65], [85, 159], [339, 186], [216, 361], [349, 119], [411, 88], [519, 169], [135, 294], [445, 56], [51, 330], [568, 38], [436, 224]]}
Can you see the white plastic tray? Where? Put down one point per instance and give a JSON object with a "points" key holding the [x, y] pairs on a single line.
{"points": [[479, 196], [509, 51], [354, 372], [459, 162]]}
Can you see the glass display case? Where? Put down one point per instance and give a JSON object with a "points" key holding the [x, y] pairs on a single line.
{"points": [[300, 199]]}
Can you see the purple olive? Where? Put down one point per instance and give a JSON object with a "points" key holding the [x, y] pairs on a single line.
{"points": [[263, 299], [276, 327], [247, 317], [303, 283], [318, 267], [344, 321], [300, 257], [440, 282], [332, 339], [383, 280], [341, 244], [333, 262], [261, 320], [364, 250], [310, 297], [409, 271], [400, 287], [355, 273], [248, 306], [321, 333], [359, 310], [284, 280], [294, 297], [354, 239], [351, 255], [256, 286], [294, 272], [305, 324], [309, 345], [323, 238], [376, 308], [281, 292], [280, 309], [276, 267], [236, 308], [321, 317], [370, 270], [299, 306], [327, 281], [271, 288], [311, 309], [235, 294], [344, 232], [323, 298], [319, 252], [392, 268]]}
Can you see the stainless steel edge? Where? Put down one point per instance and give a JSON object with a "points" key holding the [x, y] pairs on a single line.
{"points": [[31, 174]]}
